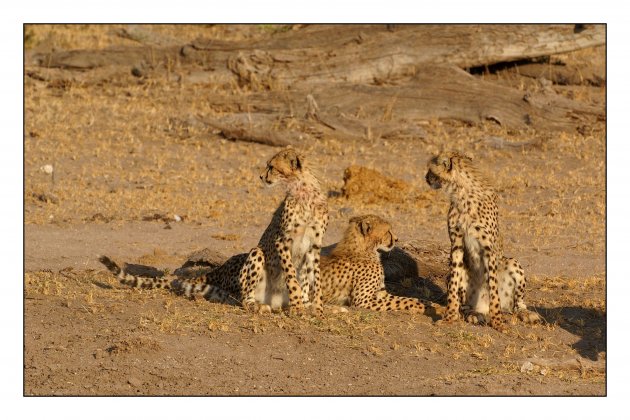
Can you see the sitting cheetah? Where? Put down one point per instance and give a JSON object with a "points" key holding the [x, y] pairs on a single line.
{"points": [[478, 267], [284, 267], [353, 274]]}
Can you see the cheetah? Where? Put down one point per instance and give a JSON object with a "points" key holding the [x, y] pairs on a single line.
{"points": [[353, 274], [482, 280], [284, 269]]}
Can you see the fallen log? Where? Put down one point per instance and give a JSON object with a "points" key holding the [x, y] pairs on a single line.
{"points": [[435, 92], [367, 81], [348, 53]]}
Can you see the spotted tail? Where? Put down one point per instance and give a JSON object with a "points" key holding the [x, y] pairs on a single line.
{"points": [[157, 279]]}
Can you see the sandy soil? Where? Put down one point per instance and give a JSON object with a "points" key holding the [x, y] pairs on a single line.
{"points": [[119, 160]]}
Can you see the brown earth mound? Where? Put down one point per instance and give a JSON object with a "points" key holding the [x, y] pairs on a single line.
{"points": [[370, 186]]}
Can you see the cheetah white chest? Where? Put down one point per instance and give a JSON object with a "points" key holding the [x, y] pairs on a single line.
{"points": [[302, 242], [476, 287], [472, 250]]}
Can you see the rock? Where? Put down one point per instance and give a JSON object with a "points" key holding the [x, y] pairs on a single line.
{"points": [[47, 169], [133, 381], [527, 367]]}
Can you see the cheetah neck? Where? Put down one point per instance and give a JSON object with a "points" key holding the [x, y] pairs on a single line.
{"points": [[466, 186], [306, 189], [353, 246]]}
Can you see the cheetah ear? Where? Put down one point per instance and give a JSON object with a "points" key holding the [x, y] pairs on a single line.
{"points": [[365, 228], [446, 161], [296, 164]]}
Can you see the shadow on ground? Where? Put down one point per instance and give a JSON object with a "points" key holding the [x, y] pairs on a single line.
{"points": [[403, 277], [589, 324]]}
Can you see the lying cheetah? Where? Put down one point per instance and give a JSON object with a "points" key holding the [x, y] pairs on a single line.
{"points": [[353, 274], [478, 267], [284, 267]]}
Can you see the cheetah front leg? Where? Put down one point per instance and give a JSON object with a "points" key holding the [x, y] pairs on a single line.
{"points": [[250, 276], [490, 268], [309, 279], [283, 247], [313, 277], [305, 278], [457, 278], [310, 273]]}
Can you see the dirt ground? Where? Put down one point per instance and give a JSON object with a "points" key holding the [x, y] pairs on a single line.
{"points": [[124, 172]]}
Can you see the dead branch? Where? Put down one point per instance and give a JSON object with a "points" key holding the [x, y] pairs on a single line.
{"points": [[256, 133]]}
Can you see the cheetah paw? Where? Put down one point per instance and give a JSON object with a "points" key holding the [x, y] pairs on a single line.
{"points": [[264, 309], [447, 320], [475, 318], [498, 324], [296, 310], [315, 310], [255, 307], [529, 317], [335, 309]]}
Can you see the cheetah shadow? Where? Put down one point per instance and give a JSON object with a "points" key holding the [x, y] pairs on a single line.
{"points": [[403, 276], [587, 323]]}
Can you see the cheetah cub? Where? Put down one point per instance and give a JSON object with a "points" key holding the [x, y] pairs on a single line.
{"points": [[482, 281], [284, 267], [353, 274]]}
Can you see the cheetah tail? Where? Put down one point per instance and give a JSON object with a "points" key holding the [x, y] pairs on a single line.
{"points": [[432, 308], [111, 265], [155, 280]]}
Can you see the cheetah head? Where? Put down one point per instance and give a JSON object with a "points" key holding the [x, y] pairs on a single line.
{"points": [[440, 169], [286, 166], [375, 232]]}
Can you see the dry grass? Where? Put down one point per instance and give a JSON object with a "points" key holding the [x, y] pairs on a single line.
{"points": [[76, 37]]}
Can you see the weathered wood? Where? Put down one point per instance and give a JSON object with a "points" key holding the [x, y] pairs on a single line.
{"points": [[262, 132], [350, 53], [144, 35], [363, 81], [450, 93], [434, 92], [564, 75]]}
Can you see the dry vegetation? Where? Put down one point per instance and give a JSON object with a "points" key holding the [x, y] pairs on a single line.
{"points": [[128, 162]]}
